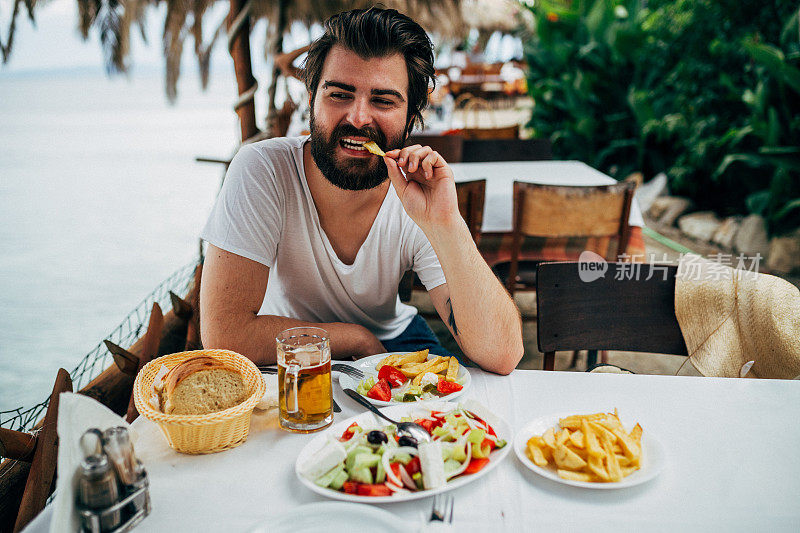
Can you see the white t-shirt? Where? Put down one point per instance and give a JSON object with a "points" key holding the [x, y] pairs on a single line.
{"points": [[265, 212]]}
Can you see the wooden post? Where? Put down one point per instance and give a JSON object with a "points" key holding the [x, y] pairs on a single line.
{"points": [[275, 48], [43, 467], [193, 327], [17, 445], [149, 350], [239, 47]]}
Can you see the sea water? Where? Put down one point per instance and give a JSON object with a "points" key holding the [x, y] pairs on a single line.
{"points": [[100, 200]]}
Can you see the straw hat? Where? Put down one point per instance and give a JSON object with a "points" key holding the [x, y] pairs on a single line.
{"points": [[731, 317]]}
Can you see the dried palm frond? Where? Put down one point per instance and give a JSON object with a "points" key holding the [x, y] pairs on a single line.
{"points": [[113, 38], [87, 10]]}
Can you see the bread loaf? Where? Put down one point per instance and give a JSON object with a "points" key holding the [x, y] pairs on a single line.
{"points": [[202, 385]]}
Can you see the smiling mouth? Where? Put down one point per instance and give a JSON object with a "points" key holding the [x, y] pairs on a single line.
{"points": [[352, 144]]}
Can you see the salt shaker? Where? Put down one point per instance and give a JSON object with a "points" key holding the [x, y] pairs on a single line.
{"points": [[97, 489], [117, 446]]}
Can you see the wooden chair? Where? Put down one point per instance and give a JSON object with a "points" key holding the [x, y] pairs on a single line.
{"points": [[450, 147], [566, 211], [501, 132], [630, 308], [471, 197], [484, 150]]}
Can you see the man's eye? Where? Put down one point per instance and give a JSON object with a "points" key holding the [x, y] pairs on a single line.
{"points": [[383, 101], [340, 96]]}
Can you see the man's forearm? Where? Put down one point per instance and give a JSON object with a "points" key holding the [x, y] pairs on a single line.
{"points": [[481, 314], [254, 337]]}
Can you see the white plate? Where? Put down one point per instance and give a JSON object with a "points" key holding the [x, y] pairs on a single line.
{"points": [[397, 411], [651, 464], [367, 365], [331, 516]]}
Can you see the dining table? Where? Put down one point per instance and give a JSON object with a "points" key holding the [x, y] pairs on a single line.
{"points": [[498, 210], [730, 462]]}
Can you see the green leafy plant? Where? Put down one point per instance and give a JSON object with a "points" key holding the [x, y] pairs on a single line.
{"points": [[689, 87]]}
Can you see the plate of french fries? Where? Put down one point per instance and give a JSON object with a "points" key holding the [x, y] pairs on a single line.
{"points": [[593, 450], [418, 376]]}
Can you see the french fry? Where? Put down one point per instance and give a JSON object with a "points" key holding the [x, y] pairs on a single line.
{"points": [[595, 464], [574, 422], [575, 476], [413, 357], [536, 455], [452, 369], [562, 436], [373, 148], [591, 444], [433, 365], [549, 438], [567, 459], [388, 360], [636, 433], [577, 438], [601, 431], [614, 471]]}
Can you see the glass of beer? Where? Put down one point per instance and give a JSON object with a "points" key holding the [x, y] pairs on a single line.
{"points": [[304, 379]]}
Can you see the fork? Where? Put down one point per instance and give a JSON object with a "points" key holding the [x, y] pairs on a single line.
{"points": [[349, 370], [442, 510]]}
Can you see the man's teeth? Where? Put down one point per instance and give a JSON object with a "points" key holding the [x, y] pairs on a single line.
{"points": [[353, 145]]}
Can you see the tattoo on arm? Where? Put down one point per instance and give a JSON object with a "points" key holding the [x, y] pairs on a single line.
{"points": [[451, 320]]}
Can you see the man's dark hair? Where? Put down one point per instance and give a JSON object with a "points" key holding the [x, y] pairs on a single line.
{"points": [[378, 32]]}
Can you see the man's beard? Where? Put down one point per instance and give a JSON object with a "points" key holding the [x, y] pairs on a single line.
{"points": [[357, 173]]}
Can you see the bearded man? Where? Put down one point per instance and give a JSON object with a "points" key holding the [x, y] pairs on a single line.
{"points": [[317, 231]]}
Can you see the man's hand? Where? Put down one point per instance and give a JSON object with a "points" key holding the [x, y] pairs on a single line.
{"points": [[428, 190]]}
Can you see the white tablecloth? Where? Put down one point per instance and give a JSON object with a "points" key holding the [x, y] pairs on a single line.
{"points": [[732, 462], [500, 177]]}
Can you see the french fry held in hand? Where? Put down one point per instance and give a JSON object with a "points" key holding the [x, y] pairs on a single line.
{"points": [[415, 365], [593, 448], [373, 148]]}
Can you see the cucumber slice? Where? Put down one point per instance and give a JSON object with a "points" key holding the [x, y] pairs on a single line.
{"points": [[476, 436], [339, 480], [451, 466], [351, 457], [362, 476], [328, 477], [380, 473], [366, 460]]}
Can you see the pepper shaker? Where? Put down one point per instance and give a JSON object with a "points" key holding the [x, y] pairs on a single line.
{"points": [[97, 489]]}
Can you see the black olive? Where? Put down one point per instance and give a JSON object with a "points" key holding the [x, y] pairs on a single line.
{"points": [[377, 437], [405, 440]]}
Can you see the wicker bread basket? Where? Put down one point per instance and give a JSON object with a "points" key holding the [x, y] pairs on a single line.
{"points": [[209, 433]]}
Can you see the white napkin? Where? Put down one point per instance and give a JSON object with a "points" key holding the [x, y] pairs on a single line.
{"points": [[76, 414], [270, 398]]}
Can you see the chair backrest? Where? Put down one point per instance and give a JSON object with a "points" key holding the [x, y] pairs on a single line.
{"points": [[450, 147], [471, 195], [502, 132], [478, 150], [569, 211], [630, 308]]}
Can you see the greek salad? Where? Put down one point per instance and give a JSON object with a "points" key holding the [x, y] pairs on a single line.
{"points": [[373, 460]]}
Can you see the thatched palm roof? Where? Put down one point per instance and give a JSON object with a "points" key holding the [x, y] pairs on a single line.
{"points": [[114, 20]]}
